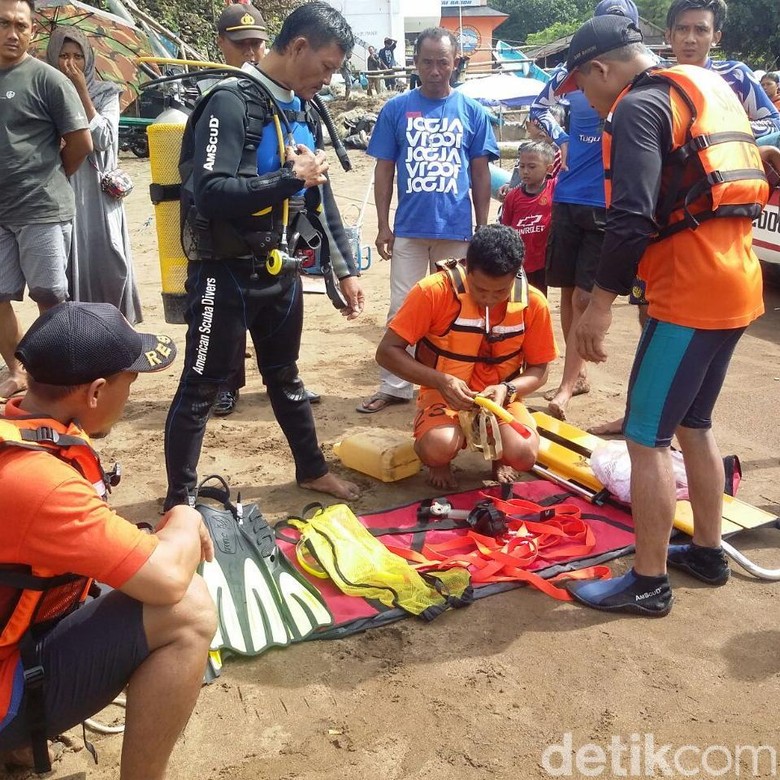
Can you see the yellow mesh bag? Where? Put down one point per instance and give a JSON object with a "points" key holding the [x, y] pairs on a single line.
{"points": [[360, 565]]}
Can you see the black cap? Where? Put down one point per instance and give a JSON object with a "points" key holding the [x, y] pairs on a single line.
{"points": [[241, 22], [77, 343], [597, 36]]}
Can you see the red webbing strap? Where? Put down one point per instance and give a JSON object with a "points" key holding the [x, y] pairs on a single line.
{"points": [[555, 533]]}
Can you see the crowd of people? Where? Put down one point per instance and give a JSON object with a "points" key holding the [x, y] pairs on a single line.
{"points": [[611, 198]]}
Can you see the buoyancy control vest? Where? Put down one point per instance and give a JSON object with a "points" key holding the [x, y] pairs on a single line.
{"points": [[470, 347], [715, 169], [32, 600], [259, 233]]}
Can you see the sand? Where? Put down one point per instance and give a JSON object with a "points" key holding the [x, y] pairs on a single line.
{"points": [[484, 691]]}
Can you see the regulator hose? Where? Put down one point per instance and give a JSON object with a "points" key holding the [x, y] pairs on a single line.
{"points": [[338, 145]]}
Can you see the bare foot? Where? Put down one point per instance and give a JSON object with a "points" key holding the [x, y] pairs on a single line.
{"points": [[581, 387], [608, 428], [13, 385], [23, 757], [557, 408], [442, 477], [334, 486], [503, 473]]}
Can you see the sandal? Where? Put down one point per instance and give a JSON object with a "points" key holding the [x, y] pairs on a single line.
{"points": [[379, 401]]}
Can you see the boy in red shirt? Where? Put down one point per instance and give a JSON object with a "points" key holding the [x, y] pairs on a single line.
{"points": [[528, 207]]}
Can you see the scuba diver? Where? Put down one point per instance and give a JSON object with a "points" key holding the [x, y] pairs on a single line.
{"points": [[256, 204]]}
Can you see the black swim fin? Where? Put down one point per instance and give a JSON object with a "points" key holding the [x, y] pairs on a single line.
{"points": [[262, 601]]}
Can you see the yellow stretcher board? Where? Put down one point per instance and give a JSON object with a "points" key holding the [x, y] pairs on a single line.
{"points": [[564, 451]]}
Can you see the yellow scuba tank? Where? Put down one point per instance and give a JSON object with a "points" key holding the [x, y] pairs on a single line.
{"points": [[165, 135]]}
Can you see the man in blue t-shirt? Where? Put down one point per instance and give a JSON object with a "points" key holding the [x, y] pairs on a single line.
{"points": [[693, 27], [440, 142], [578, 219]]}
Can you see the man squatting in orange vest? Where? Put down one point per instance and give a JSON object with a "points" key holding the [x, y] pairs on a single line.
{"points": [[59, 664], [684, 181], [479, 328]]}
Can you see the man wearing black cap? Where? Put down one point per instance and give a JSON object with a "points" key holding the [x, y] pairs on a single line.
{"points": [[60, 664], [683, 182], [241, 34]]}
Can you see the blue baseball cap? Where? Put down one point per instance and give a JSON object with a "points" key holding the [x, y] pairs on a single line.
{"points": [[625, 8]]}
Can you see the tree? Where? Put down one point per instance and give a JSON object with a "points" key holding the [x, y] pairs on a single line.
{"points": [[531, 16], [195, 21], [654, 11], [552, 33], [752, 33]]}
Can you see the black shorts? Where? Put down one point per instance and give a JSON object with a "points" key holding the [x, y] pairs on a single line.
{"points": [[88, 659], [538, 279], [574, 245]]}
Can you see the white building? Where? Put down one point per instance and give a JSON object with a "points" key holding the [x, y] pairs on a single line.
{"points": [[374, 20]]}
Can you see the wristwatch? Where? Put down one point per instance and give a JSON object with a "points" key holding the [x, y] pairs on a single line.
{"points": [[511, 393]]}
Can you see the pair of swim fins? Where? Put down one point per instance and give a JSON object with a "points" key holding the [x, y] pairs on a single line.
{"points": [[262, 600]]}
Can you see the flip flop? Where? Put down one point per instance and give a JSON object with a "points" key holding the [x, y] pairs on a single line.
{"points": [[382, 401]]}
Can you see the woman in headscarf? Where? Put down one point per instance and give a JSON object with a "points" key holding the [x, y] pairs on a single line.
{"points": [[101, 264]]}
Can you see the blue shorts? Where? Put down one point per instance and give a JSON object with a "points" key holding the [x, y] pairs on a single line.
{"points": [[88, 659], [677, 376]]}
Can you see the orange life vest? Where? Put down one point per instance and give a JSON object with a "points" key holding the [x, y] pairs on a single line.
{"points": [[35, 599], [42, 597], [715, 169], [472, 348]]}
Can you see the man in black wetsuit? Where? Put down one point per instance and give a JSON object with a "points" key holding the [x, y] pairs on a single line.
{"points": [[234, 218]]}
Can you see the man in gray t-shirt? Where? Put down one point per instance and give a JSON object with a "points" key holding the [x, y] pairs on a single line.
{"points": [[44, 138]]}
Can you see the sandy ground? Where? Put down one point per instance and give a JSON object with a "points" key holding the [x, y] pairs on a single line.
{"points": [[481, 692]]}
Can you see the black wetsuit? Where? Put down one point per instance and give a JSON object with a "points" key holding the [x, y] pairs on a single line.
{"points": [[228, 296]]}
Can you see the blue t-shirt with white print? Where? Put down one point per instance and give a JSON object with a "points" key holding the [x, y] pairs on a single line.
{"points": [[583, 182], [432, 143]]}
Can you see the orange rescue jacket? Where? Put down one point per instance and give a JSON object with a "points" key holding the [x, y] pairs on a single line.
{"points": [[715, 169], [470, 345], [34, 599]]}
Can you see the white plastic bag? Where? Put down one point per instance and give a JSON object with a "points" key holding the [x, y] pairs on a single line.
{"points": [[612, 466]]}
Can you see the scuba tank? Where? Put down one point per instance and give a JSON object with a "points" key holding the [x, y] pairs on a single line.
{"points": [[165, 135], [165, 141]]}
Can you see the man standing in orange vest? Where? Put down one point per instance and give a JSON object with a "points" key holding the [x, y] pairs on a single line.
{"points": [[684, 181]]}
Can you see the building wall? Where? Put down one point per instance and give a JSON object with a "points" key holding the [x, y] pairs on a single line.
{"points": [[478, 33], [374, 20]]}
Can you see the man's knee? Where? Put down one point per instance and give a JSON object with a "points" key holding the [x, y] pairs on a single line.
{"points": [[439, 446], [194, 617], [692, 438], [199, 608], [287, 380], [521, 455]]}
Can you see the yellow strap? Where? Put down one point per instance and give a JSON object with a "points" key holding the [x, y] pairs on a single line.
{"points": [[492, 406], [307, 562]]}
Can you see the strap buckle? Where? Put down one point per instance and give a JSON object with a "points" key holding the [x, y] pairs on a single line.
{"points": [[46, 435], [114, 476], [34, 677]]}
